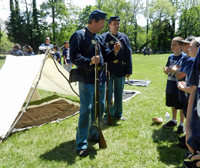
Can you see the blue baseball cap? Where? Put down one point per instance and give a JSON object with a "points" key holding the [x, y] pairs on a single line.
{"points": [[112, 18], [97, 15]]}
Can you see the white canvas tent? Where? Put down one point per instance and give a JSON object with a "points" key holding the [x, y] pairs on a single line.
{"points": [[18, 75]]}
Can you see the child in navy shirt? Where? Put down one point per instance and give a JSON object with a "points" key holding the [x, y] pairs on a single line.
{"points": [[57, 56], [193, 111], [180, 70], [171, 87], [67, 61]]}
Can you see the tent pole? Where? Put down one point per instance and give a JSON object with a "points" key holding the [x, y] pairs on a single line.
{"points": [[24, 111]]}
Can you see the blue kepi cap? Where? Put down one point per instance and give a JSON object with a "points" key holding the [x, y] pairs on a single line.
{"points": [[97, 15], [112, 18]]}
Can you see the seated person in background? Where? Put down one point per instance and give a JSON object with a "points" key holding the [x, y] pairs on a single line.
{"points": [[45, 45], [28, 51], [16, 50], [57, 56]]}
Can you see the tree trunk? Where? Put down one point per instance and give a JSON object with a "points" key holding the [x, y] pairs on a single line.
{"points": [[135, 37], [53, 20]]}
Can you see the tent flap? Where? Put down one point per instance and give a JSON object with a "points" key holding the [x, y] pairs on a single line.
{"points": [[17, 76]]}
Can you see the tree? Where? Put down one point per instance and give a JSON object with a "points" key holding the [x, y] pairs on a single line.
{"points": [[189, 22], [15, 24], [132, 10], [57, 11], [83, 17], [69, 26], [37, 37], [161, 40], [160, 13], [6, 44], [100, 3], [0, 34]]}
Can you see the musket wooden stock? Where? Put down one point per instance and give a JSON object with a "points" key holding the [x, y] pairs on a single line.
{"points": [[102, 142], [110, 121]]}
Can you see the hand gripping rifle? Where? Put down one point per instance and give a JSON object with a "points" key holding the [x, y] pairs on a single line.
{"points": [[102, 142], [110, 121]]}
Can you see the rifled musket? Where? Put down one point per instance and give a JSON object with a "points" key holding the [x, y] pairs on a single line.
{"points": [[108, 104], [102, 142]]}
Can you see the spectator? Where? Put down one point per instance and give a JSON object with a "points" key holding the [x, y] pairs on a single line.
{"points": [[43, 47], [66, 56], [28, 51], [171, 87], [57, 56], [16, 50]]}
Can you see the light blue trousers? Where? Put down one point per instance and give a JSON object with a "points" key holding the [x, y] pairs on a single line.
{"points": [[86, 129], [69, 67], [116, 86]]}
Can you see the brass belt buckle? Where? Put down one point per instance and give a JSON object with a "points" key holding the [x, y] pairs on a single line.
{"points": [[115, 61]]}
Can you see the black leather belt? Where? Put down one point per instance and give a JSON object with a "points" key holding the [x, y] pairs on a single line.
{"points": [[90, 70]]}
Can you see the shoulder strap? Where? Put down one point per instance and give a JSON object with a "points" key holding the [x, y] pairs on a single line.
{"points": [[90, 46], [116, 39]]}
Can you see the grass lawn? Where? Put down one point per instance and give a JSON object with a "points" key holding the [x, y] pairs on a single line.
{"points": [[136, 143]]}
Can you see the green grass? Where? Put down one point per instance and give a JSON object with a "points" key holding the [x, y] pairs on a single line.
{"points": [[136, 143]]}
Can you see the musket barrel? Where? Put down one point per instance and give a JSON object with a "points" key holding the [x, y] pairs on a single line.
{"points": [[102, 142]]}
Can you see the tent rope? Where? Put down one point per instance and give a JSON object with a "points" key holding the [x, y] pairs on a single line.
{"points": [[64, 77]]}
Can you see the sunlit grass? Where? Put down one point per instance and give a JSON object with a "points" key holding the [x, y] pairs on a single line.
{"points": [[136, 143]]}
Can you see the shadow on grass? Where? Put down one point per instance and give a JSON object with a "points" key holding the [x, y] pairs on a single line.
{"points": [[46, 99], [106, 126], [49, 98], [165, 135], [66, 152], [169, 151], [171, 155]]}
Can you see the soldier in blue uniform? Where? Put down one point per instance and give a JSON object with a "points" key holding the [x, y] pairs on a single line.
{"points": [[119, 68], [82, 54]]}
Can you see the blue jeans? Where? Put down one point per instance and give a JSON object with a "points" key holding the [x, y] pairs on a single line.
{"points": [[86, 129], [116, 85]]}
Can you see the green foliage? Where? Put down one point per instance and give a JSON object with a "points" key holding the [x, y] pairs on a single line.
{"points": [[141, 39], [57, 11], [59, 21], [36, 37], [159, 14], [189, 22], [5, 44], [0, 34], [83, 17], [23, 27], [160, 9], [17, 32], [161, 35], [65, 33]]}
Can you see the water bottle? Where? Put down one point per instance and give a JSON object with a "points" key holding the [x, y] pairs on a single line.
{"points": [[167, 117]]}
